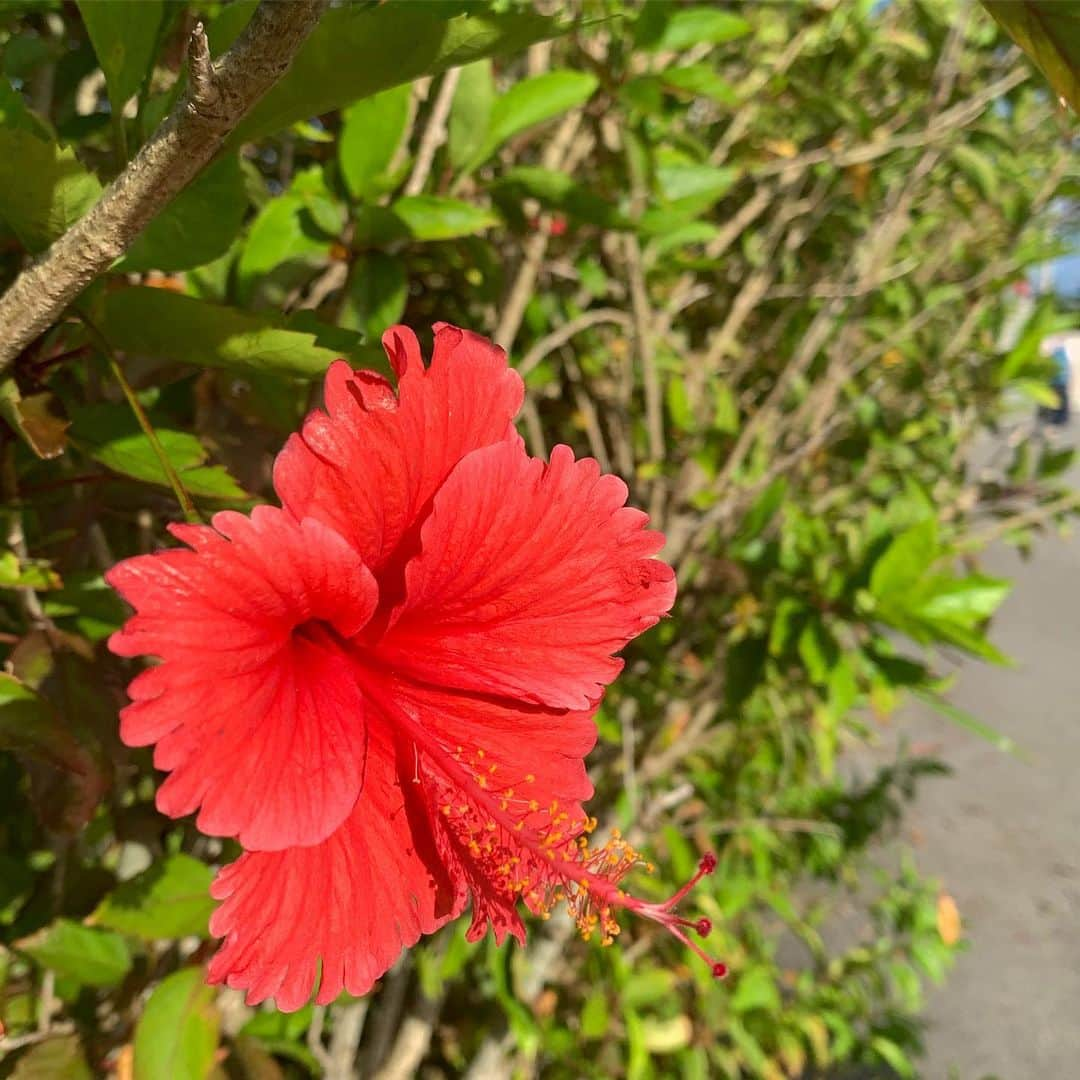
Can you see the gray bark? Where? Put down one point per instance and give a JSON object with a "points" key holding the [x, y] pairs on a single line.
{"points": [[218, 95]]}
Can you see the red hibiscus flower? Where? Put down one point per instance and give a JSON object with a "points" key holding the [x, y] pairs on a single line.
{"points": [[385, 690]]}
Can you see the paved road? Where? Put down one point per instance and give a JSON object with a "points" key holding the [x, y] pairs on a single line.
{"points": [[1004, 836]]}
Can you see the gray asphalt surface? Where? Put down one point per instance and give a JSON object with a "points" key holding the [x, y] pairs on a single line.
{"points": [[1003, 834]]}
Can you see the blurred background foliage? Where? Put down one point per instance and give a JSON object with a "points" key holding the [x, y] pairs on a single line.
{"points": [[753, 257]]}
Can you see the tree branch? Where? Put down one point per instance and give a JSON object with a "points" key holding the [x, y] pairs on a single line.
{"points": [[218, 96]]}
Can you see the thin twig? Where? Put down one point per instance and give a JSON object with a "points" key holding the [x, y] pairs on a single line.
{"points": [[558, 337], [413, 1040], [1035, 516], [183, 496], [556, 157], [959, 116], [349, 1020], [434, 134], [650, 375]]}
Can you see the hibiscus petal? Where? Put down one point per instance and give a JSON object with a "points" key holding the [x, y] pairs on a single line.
{"points": [[529, 579], [260, 724], [368, 469], [348, 905], [540, 752]]}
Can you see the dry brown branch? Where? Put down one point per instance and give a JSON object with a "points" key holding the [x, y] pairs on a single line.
{"points": [[557, 156], [944, 125], [219, 94], [546, 345], [645, 346], [590, 416], [413, 1040], [349, 1020], [434, 134]]}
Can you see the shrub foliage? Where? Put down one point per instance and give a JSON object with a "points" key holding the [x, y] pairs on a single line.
{"points": [[750, 256]]}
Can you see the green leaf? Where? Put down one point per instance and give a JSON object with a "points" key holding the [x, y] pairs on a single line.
{"points": [[685, 192], [818, 650], [978, 168], [375, 298], [177, 1036], [962, 718], [725, 408], [595, 1018], [558, 191], [165, 325], [756, 989], [699, 80], [762, 511], [435, 217], [685, 27], [44, 189], [16, 573], [95, 609], [704, 184], [531, 102], [124, 36], [83, 954], [170, 899], [470, 113], [356, 51], [299, 224], [893, 1056], [968, 601], [371, 132], [59, 1058], [678, 405], [111, 435], [1049, 32], [905, 561], [198, 226]]}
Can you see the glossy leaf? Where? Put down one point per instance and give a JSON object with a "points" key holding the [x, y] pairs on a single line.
{"points": [[44, 189], [1049, 32], [531, 102], [665, 26], [298, 225], [376, 294], [371, 132], [357, 51], [436, 217], [905, 560], [177, 1035], [170, 899], [167, 326], [124, 36], [198, 226], [470, 113], [86, 955], [111, 435], [557, 191]]}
